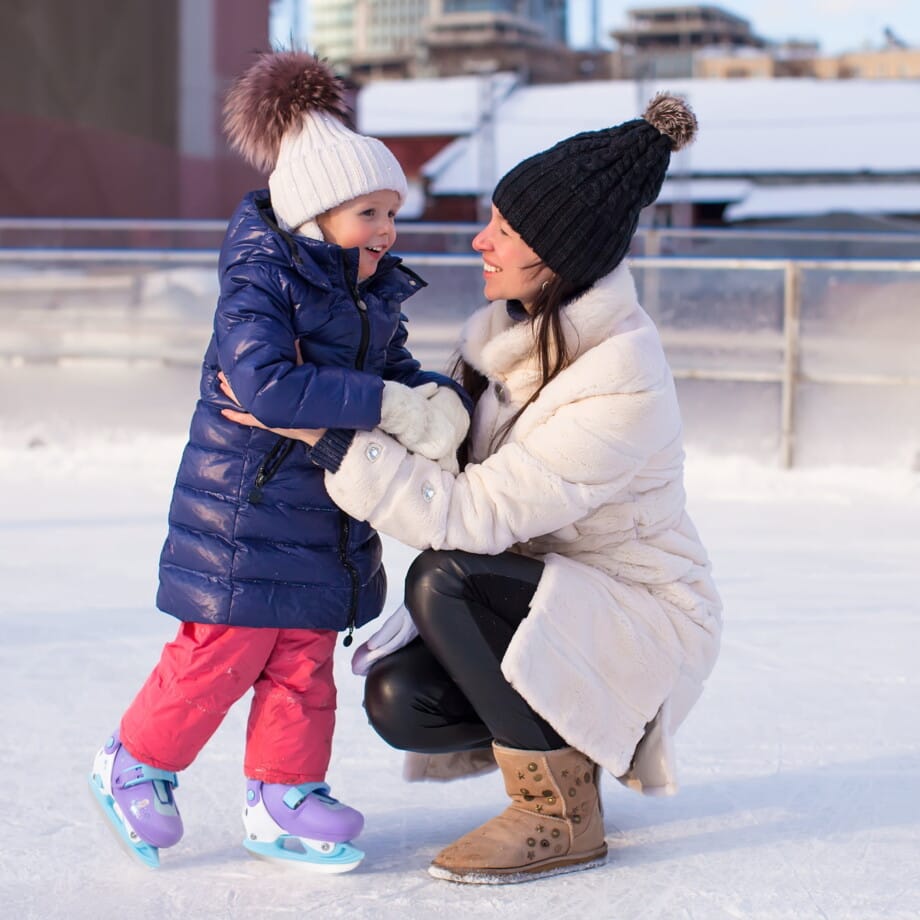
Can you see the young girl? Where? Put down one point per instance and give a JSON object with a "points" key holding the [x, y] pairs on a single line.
{"points": [[260, 566], [564, 617]]}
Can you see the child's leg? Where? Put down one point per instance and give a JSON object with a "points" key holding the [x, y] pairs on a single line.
{"points": [[289, 737], [199, 676]]}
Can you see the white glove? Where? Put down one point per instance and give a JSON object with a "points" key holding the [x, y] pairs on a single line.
{"points": [[397, 631], [404, 410], [452, 413], [421, 423]]}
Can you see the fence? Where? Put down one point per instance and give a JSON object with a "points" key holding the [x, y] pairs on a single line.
{"points": [[736, 242], [796, 329]]}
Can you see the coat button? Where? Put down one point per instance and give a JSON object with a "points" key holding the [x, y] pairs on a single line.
{"points": [[373, 451], [427, 491]]}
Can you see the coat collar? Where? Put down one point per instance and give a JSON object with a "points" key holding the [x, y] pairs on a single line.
{"points": [[322, 264], [497, 346]]}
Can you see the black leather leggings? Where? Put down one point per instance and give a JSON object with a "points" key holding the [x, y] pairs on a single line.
{"points": [[445, 691]]}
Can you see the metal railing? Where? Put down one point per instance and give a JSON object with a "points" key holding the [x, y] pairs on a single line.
{"points": [[109, 291], [44, 232], [791, 374]]}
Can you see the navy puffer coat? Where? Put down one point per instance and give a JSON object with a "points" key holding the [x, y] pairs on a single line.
{"points": [[254, 539]]}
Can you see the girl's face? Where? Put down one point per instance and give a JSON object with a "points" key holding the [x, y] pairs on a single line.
{"points": [[511, 269], [367, 223]]}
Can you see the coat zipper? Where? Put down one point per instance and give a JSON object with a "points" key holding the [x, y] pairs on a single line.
{"points": [[268, 467], [345, 527], [352, 575], [365, 328]]}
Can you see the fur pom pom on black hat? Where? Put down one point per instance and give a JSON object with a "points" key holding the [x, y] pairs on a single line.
{"points": [[285, 115], [577, 204], [673, 117]]}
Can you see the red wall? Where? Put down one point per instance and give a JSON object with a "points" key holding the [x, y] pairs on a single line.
{"points": [[89, 121]]}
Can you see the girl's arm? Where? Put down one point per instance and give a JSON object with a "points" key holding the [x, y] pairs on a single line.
{"points": [[257, 353]]}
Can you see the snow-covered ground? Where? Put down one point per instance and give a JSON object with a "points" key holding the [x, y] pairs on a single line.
{"points": [[800, 766]]}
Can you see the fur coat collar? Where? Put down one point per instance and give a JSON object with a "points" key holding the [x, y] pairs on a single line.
{"points": [[499, 347]]}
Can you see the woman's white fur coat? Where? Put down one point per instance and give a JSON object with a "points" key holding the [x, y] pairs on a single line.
{"points": [[625, 624]]}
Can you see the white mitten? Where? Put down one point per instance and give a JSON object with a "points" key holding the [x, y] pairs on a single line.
{"points": [[404, 410], [448, 427], [397, 631], [420, 422]]}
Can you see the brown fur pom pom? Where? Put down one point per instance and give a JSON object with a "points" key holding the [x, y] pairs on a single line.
{"points": [[672, 116], [274, 94]]}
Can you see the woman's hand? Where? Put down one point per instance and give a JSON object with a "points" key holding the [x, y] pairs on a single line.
{"points": [[307, 435]]}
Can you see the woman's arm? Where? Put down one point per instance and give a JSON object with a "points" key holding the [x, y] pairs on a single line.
{"points": [[580, 457]]}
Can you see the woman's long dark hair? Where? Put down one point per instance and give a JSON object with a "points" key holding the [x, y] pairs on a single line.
{"points": [[545, 315]]}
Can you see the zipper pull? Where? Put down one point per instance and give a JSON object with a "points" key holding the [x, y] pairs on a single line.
{"points": [[348, 639], [358, 299], [255, 494]]}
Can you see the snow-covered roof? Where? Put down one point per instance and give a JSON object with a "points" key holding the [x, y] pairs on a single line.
{"points": [[414, 205], [702, 191], [747, 127], [808, 200], [407, 108]]}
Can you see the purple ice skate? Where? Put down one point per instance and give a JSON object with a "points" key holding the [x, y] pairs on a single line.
{"points": [[137, 799], [302, 824]]}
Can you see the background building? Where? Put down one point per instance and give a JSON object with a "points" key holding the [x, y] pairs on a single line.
{"points": [[768, 151], [662, 41], [114, 109], [374, 39], [804, 59], [714, 43]]}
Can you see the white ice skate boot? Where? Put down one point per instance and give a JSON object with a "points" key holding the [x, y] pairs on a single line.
{"points": [[301, 824], [138, 801]]}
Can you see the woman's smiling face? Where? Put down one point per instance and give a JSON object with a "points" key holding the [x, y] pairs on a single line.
{"points": [[511, 269], [368, 223]]}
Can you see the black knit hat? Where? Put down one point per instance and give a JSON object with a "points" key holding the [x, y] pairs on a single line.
{"points": [[577, 204]]}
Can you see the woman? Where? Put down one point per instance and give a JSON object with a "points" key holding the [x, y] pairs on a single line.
{"points": [[564, 608]]}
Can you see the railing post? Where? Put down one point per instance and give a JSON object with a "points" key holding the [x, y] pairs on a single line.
{"points": [[651, 292], [791, 321]]}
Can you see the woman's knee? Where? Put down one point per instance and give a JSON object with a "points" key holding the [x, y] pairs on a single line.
{"points": [[433, 575], [388, 694]]}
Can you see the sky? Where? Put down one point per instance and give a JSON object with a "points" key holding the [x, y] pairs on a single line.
{"points": [[838, 25]]}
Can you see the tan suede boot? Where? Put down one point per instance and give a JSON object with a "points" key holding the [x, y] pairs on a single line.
{"points": [[554, 824]]}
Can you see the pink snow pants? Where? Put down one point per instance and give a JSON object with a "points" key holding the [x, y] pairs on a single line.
{"points": [[207, 668]]}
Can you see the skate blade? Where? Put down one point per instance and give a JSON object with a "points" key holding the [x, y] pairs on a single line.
{"points": [[312, 855], [142, 852], [477, 877]]}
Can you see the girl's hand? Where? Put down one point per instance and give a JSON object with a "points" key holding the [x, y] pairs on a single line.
{"points": [[226, 389], [307, 435]]}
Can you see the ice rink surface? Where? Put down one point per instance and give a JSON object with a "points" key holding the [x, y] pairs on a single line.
{"points": [[800, 766]]}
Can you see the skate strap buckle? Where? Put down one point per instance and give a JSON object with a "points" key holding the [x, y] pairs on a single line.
{"points": [[296, 795], [144, 773]]}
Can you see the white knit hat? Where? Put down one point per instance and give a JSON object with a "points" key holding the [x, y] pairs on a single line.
{"points": [[323, 164], [285, 114]]}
